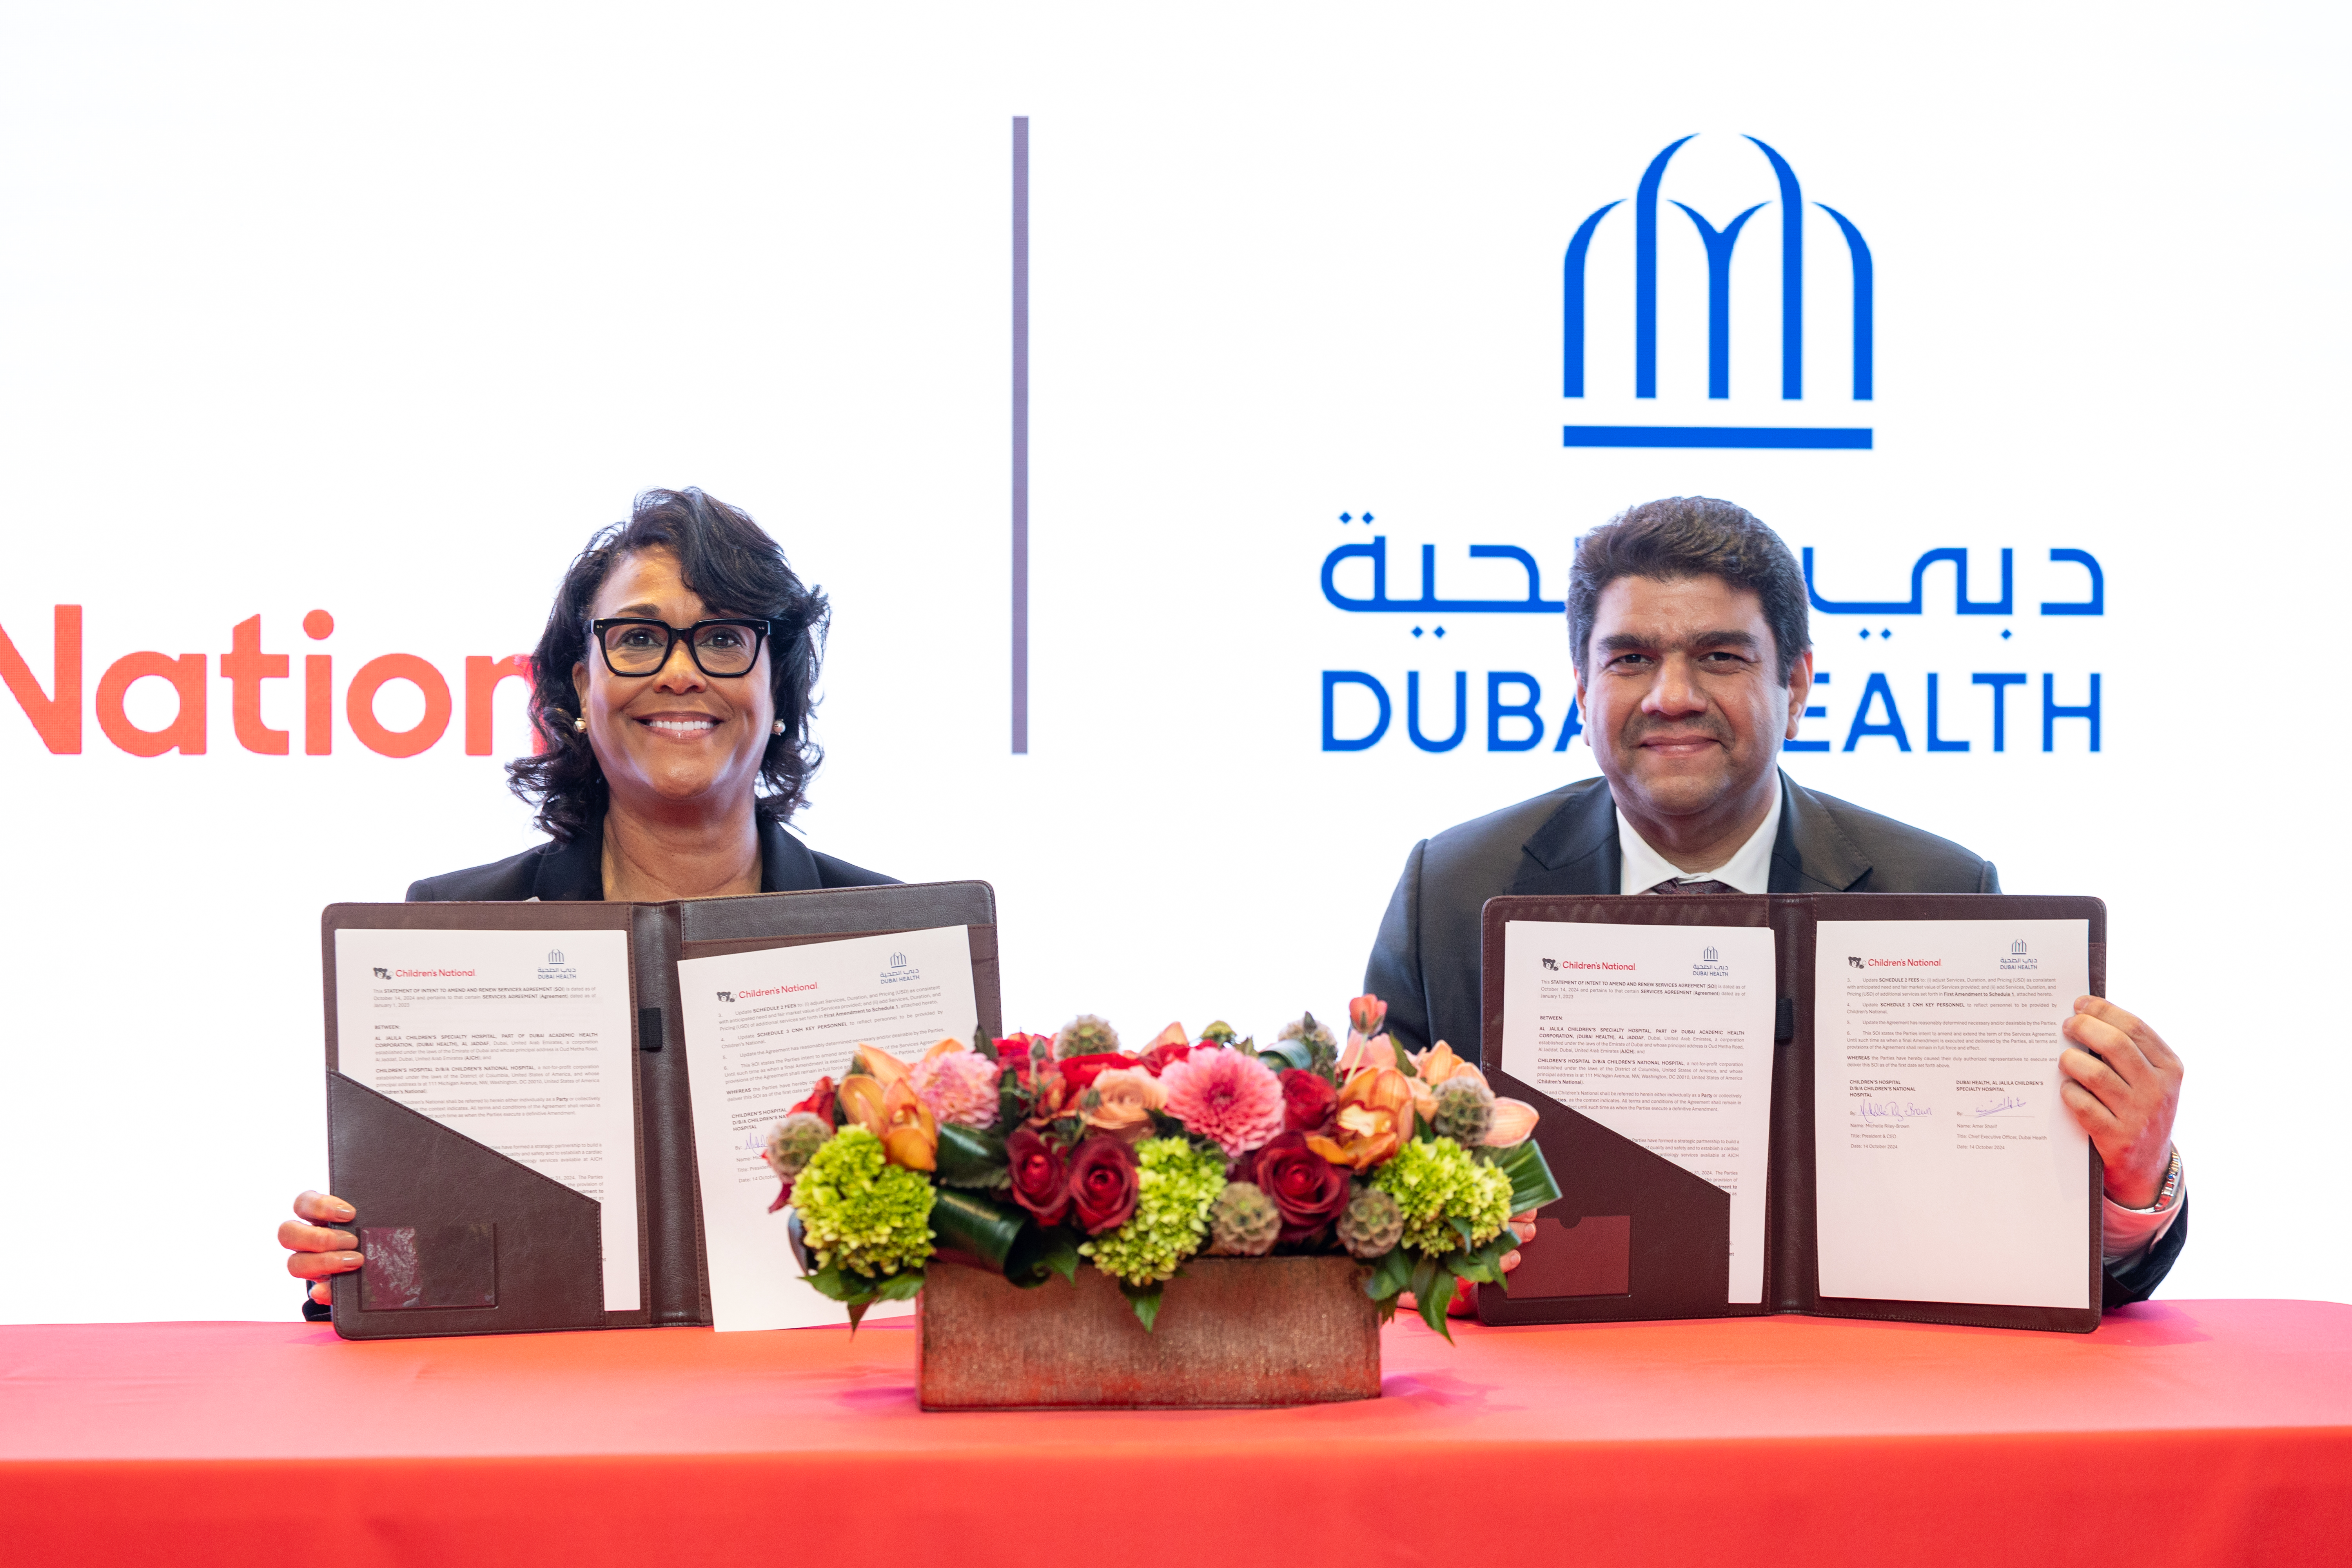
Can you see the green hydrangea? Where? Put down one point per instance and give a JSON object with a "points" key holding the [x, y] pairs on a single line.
{"points": [[1175, 1183], [861, 1213], [1434, 1181]]}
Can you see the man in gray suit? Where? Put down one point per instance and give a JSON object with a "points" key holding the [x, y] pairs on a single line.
{"points": [[1688, 621]]}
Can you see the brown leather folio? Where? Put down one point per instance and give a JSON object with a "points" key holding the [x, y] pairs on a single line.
{"points": [[459, 1239], [1636, 1236]]}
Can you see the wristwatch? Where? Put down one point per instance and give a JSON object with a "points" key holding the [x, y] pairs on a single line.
{"points": [[2165, 1194]]}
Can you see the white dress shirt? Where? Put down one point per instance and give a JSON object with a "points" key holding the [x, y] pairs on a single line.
{"points": [[2124, 1234]]}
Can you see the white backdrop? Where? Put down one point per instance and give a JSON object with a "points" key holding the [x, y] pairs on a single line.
{"points": [[381, 312]]}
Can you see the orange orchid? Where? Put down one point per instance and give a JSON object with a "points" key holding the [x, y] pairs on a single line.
{"points": [[896, 1114], [1513, 1122], [1439, 1063], [946, 1047], [1374, 1119], [880, 1064]]}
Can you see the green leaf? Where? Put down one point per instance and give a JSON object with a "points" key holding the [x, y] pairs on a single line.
{"points": [[899, 1287], [1145, 1300], [1483, 1263], [1059, 1251], [971, 1157], [1424, 1270], [1388, 1276], [1433, 1302], [986, 1229], [1532, 1185], [1461, 1228], [856, 1291], [1483, 1270], [1283, 1054]]}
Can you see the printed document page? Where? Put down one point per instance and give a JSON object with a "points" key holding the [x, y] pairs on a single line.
{"points": [[1947, 1167], [519, 1039], [761, 1029], [1664, 1034]]}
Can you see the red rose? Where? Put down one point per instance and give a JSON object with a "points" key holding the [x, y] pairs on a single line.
{"points": [[820, 1102], [1308, 1101], [1040, 1181], [1159, 1056], [1309, 1190], [1102, 1184], [1078, 1073], [1013, 1053]]}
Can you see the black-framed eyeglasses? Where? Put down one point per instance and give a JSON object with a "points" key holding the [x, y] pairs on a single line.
{"points": [[723, 648]]}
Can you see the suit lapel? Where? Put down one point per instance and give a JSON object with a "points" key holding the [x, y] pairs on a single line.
{"points": [[572, 871], [786, 866], [1575, 850], [1811, 854]]}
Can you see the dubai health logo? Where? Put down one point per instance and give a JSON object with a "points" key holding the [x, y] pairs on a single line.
{"points": [[1720, 245]]}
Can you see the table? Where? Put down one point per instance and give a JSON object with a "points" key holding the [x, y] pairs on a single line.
{"points": [[2181, 1432]]}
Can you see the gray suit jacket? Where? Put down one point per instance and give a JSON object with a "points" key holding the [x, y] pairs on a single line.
{"points": [[1425, 962]]}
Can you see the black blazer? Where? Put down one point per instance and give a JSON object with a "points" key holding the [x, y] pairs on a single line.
{"points": [[1424, 962], [576, 870]]}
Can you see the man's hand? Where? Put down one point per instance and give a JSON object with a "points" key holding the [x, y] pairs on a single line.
{"points": [[2123, 1084], [316, 1251]]}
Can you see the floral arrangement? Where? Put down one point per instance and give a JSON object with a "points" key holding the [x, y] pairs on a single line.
{"points": [[1037, 1155]]}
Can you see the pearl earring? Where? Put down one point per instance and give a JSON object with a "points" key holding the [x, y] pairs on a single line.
{"points": [[581, 724], [778, 726]]}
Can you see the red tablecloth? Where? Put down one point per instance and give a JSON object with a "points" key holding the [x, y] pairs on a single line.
{"points": [[2181, 1432]]}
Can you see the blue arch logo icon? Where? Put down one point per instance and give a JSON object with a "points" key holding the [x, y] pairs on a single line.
{"points": [[1721, 244]]}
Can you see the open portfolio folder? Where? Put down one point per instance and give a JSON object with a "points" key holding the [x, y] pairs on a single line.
{"points": [[1840, 1103], [553, 1115]]}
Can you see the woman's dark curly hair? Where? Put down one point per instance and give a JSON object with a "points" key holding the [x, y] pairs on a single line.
{"points": [[738, 569]]}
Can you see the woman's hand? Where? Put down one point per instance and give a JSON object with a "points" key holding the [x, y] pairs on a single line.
{"points": [[317, 1251]]}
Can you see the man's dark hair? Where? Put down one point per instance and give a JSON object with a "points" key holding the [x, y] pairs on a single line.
{"points": [[1691, 536], [737, 569]]}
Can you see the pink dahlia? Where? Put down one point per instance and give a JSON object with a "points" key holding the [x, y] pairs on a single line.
{"points": [[1219, 1093], [960, 1087]]}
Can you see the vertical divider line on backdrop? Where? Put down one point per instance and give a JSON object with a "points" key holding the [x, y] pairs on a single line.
{"points": [[1020, 435]]}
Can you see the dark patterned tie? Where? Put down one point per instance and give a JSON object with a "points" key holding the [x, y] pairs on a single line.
{"points": [[1680, 887]]}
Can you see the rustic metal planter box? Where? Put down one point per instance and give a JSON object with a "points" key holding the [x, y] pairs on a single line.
{"points": [[1232, 1331]]}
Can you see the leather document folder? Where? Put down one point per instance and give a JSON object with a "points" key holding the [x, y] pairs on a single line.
{"points": [[461, 1239], [1636, 1236]]}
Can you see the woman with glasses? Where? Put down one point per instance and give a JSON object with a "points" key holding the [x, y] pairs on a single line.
{"points": [[670, 691]]}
